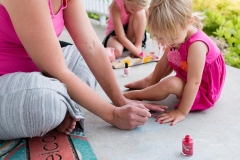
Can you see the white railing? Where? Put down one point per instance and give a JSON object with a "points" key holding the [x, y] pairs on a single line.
{"points": [[99, 7]]}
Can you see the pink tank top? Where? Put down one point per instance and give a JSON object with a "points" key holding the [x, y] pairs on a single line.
{"points": [[13, 56], [124, 17]]}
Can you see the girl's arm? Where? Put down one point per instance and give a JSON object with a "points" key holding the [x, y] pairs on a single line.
{"points": [[160, 69], [120, 34], [196, 61], [33, 25]]}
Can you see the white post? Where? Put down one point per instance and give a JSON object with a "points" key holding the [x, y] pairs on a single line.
{"points": [[105, 6], [102, 19], [101, 7]]}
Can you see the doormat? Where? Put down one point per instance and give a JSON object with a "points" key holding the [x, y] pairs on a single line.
{"points": [[53, 145]]}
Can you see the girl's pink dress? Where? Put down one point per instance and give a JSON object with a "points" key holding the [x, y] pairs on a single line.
{"points": [[213, 74]]}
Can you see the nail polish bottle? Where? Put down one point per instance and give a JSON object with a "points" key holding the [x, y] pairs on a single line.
{"points": [[187, 146], [126, 70]]}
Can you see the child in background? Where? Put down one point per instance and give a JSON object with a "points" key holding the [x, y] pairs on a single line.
{"points": [[126, 27], [197, 61]]}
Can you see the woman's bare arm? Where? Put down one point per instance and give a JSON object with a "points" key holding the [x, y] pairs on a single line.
{"points": [[33, 25], [92, 49]]}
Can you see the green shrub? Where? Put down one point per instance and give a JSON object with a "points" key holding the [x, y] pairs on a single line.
{"points": [[93, 15], [230, 31], [227, 8], [223, 21], [227, 29]]}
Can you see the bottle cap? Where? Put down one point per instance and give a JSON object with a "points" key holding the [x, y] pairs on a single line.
{"points": [[187, 138], [126, 65]]}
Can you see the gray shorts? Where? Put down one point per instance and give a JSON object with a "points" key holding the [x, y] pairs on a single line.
{"points": [[32, 104]]}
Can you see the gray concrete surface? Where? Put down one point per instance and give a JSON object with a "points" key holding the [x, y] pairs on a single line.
{"points": [[216, 131]]}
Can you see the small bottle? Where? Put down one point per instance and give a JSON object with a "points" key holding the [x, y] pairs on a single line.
{"points": [[126, 70], [187, 146]]}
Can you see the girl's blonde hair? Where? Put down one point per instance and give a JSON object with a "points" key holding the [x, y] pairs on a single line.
{"points": [[142, 3], [166, 15]]}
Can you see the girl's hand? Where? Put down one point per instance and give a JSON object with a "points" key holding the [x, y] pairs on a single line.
{"points": [[151, 107], [150, 54], [173, 116], [145, 54]]}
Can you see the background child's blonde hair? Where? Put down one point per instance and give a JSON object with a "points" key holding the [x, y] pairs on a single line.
{"points": [[166, 15], [142, 3]]}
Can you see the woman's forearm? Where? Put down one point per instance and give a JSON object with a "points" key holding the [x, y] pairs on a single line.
{"points": [[92, 50], [87, 97]]}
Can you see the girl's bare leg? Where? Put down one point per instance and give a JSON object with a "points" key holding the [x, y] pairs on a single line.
{"points": [[136, 28], [140, 84], [159, 91], [114, 43], [135, 32], [67, 125]]}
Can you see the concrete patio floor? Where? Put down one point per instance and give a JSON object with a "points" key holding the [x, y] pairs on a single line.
{"points": [[216, 131]]}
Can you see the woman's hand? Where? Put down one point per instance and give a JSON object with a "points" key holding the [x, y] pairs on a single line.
{"points": [[173, 116], [134, 113], [129, 117]]}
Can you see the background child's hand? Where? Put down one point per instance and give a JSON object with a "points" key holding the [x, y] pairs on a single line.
{"points": [[151, 54], [173, 116], [146, 54]]}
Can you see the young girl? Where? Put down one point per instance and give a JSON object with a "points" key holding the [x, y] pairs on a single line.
{"points": [[126, 26], [198, 63]]}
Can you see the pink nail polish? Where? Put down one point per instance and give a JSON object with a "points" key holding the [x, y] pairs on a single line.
{"points": [[126, 70], [187, 146]]}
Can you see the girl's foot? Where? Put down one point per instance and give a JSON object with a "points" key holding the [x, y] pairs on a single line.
{"points": [[133, 95], [127, 95], [140, 84], [111, 54], [67, 125]]}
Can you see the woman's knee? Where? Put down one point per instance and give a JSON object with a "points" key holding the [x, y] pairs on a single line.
{"points": [[35, 111], [49, 112]]}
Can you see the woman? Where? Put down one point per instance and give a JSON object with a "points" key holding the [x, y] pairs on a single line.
{"points": [[42, 85]]}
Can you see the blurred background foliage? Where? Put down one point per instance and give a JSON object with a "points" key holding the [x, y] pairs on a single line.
{"points": [[222, 23]]}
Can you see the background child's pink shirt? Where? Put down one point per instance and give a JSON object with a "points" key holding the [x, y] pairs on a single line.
{"points": [[124, 17], [13, 56]]}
